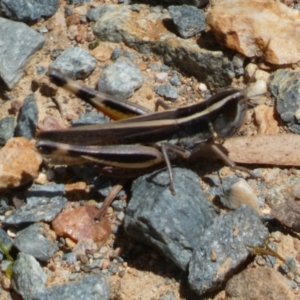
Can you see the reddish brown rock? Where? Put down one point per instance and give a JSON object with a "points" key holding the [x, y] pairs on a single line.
{"points": [[79, 224], [259, 284], [19, 163], [261, 28]]}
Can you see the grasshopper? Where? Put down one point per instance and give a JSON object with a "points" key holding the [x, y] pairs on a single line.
{"points": [[140, 140]]}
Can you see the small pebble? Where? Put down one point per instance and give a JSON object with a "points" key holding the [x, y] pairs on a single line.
{"points": [[161, 77]]}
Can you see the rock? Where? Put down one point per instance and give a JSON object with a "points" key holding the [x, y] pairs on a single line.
{"points": [[161, 76], [171, 224], [147, 33], [241, 193], [167, 91], [37, 241], [90, 119], [28, 277], [75, 63], [5, 241], [19, 163], [18, 43], [46, 190], [174, 80], [116, 53], [79, 224], [90, 287], [188, 20], [221, 248], [264, 118], [37, 209], [120, 79], [28, 118], [259, 284], [167, 296], [257, 28], [284, 86], [7, 126], [29, 10], [287, 213]]}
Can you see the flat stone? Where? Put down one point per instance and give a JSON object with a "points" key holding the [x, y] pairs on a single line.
{"points": [[39, 209], [257, 28], [19, 163], [171, 224], [221, 248], [91, 287], [18, 43], [37, 241]]}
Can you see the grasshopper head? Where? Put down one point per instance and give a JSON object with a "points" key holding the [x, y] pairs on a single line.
{"points": [[232, 115]]}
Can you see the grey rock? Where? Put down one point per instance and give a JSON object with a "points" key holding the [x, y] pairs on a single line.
{"points": [[38, 209], [46, 190], [164, 68], [18, 42], [214, 68], [154, 67], [116, 53], [167, 91], [94, 14], [167, 296], [189, 20], [92, 287], [174, 80], [171, 224], [5, 241], [120, 79], [284, 86], [238, 64], [118, 205], [28, 118], [28, 10], [70, 257], [129, 55], [4, 205], [7, 126], [289, 266], [75, 63], [35, 240], [225, 240], [90, 119], [29, 277], [40, 70], [135, 7]]}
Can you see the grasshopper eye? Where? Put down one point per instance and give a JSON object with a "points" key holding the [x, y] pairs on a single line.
{"points": [[232, 117], [44, 148]]}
